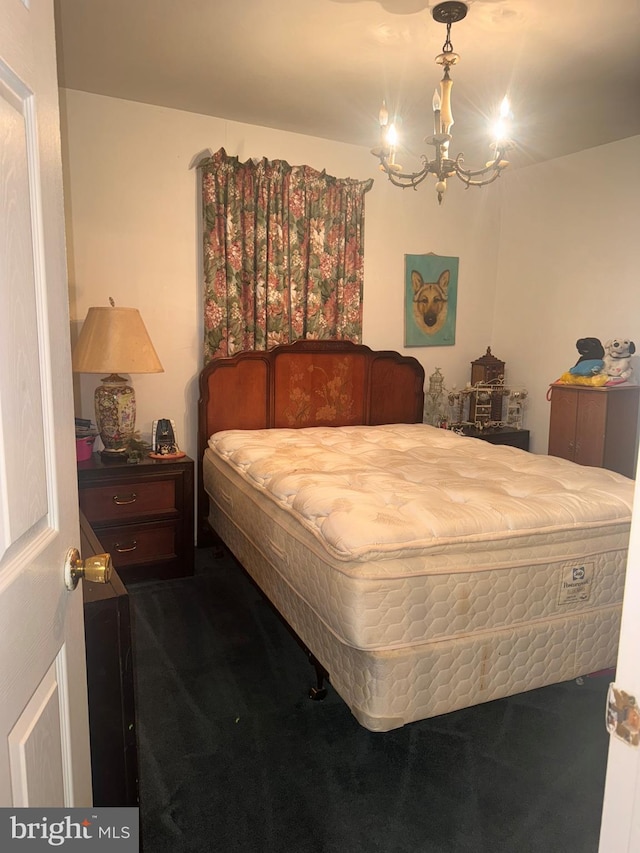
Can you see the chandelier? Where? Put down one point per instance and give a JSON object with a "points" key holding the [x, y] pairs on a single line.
{"points": [[442, 166]]}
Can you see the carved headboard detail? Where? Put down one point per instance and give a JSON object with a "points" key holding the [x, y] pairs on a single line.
{"points": [[307, 383]]}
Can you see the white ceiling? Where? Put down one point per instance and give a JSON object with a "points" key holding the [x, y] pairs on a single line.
{"points": [[322, 67]]}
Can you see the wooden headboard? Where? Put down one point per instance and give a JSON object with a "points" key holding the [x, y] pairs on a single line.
{"points": [[307, 383]]}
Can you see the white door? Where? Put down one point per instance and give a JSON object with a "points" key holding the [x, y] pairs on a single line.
{"points": [[620, 831], [44, 758]]}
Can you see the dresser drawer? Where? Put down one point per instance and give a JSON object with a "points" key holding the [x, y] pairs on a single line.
{"points": [[128, 501], [132, 544]]}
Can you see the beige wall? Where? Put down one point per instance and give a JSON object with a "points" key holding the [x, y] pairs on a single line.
{"points": [[569, 262], [547, 255], [133, 233]]}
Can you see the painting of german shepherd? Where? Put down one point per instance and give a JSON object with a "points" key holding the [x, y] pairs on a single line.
{"points": [[430, 301], [431, 291]]}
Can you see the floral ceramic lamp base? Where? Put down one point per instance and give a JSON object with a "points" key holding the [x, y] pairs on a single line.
{"points": [[115, 414]]}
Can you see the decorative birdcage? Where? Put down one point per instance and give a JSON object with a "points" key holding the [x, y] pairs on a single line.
{"points": [[482, 403], [487, 378]]}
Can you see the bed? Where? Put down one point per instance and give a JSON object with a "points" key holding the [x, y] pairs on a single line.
{"points": [[424, 571]]}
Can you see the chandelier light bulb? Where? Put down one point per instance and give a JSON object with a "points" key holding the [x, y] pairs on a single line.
{"points": [[437, 126], [501, 128]]}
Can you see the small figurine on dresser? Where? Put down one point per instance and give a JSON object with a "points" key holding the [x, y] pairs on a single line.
{"points": [[591, 358], [617, 360], [164, 444], [515, 407], [434, 407]]}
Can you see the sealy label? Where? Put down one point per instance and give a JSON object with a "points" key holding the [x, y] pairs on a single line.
{"points": [[575, 583]]}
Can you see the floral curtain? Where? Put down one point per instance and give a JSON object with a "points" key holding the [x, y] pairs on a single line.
{"points": [[283, 254]]}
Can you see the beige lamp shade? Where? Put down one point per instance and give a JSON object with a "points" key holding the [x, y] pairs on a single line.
{"points": [[115, 340]]}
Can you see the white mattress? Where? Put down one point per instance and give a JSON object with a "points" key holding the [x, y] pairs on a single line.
{"points": [[425, 570]]}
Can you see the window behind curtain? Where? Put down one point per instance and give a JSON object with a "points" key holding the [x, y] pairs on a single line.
{"points": [[283, 254]]}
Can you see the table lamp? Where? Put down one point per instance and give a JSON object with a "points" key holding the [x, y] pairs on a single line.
{"points": [[113, 341]]}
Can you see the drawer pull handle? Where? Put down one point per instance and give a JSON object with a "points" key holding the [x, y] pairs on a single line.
{"points": [[124, 549], [129, 499]]}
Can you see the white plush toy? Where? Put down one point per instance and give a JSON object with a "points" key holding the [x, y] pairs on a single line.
{"points": [[617, 359]]}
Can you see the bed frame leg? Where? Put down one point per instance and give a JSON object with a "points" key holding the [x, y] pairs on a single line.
{"points": [[318, 692]]}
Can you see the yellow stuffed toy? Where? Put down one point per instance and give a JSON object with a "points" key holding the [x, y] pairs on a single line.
{"points": [[571, 379]]}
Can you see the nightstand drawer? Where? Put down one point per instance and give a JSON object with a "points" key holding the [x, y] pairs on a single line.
{"points": [[142, 514], [132, 544], [127, 501]]}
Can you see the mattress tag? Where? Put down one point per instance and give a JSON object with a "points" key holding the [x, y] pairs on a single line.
{"points": [[575, 583]]}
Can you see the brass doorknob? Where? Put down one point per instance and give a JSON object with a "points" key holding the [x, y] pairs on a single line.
{"points": [[96, 568]]}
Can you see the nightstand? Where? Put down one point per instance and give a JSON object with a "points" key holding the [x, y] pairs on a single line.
{"points": [[142, 514], [501, 435]]}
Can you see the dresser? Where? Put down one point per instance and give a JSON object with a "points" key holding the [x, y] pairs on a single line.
{"points": [[110, 684], [142, 514], [596, 426]]}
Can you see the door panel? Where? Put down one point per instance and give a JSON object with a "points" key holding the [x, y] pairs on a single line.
{"points": [[43, 710], [22, 447], [562, 425], [591, 427], [36, 768], [620, 831]]}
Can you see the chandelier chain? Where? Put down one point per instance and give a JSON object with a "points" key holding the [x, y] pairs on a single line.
{"points": [[447, 47]]}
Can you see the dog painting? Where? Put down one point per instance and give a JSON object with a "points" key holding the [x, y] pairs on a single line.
{"points": [[430, 301], [431, 291]]}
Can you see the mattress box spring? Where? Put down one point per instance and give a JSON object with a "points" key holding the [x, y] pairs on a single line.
{"points": [[416, 636], [388, 688]]}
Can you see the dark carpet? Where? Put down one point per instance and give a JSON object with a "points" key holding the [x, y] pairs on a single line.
{"points": [[234, 756]]}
